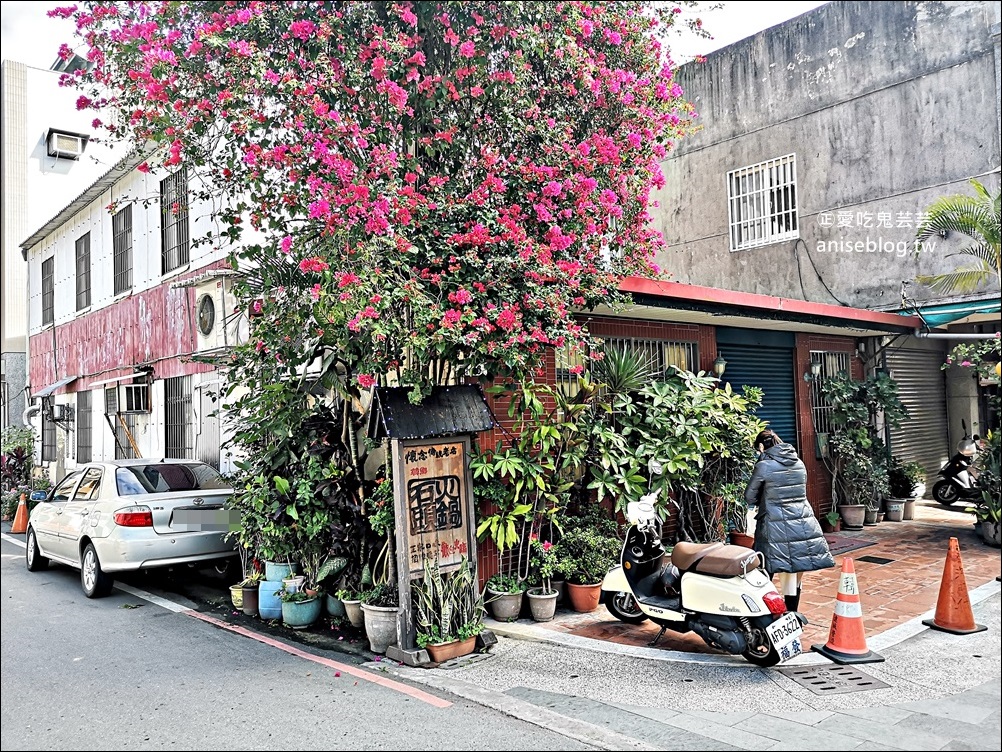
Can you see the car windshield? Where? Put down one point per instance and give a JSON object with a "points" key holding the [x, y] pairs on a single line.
{"points": [[164, 478]]}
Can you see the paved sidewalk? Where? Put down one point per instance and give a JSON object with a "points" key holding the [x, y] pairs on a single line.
{"points": [[899, 575]]}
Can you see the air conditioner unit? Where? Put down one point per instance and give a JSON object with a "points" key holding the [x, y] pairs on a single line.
{"points": [[133, 398], [60, 413], [65, 145], [218, 323]]}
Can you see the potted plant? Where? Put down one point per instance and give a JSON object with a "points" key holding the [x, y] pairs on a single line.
{"points": [[543, 564], [989, 482], [504, 595], [831, 522], [249, 592], [586, 556], [448, 611], [380, 606], [299, 608], [904, 479], [352, 602]]}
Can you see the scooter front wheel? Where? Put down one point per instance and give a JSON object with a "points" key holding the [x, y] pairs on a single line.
{"points": [[945, 492], [624, 607]]}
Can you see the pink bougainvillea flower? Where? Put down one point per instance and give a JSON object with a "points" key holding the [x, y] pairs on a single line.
{"points": [[313, 264]]}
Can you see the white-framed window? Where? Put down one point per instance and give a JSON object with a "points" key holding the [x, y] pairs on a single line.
{"points": [[762, 203]]}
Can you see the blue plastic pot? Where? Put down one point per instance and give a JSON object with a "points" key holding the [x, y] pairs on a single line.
{"points": [[275, 571], [269, 605]]}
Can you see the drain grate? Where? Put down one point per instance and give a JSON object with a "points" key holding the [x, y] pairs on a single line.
{"points": [[875, 559], [832, 680]]}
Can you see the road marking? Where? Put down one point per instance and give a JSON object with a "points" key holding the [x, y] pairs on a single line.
{"points": [[358, 673], [177, 608], [15, 541]]}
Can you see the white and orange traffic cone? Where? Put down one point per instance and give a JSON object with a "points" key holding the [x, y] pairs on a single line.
{"points": [[846, 638], [953, 608]]}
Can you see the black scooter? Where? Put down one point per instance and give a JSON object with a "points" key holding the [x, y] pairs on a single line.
{"points": [[958, 484]]}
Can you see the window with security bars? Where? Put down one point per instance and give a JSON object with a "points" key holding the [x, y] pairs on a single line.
{"points": [[121, 228], [762, 203], [48, 438], [119, 423], [657, 355], [178, 418], [85, 423], [832, 364], [83, 271], [48, 290], [174, 221]]}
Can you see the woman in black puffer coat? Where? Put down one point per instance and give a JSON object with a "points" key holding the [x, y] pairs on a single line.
{"points": [[787, 533]]}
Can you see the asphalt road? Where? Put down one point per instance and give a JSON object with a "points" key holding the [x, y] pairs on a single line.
{"points": [[123, 673]]}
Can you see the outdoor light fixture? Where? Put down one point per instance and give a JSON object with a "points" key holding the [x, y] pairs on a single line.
{"points": [[814, 373], [719, 366]]}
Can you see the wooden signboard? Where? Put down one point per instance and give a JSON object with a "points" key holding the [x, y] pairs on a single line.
{"points": [[432, 489]]}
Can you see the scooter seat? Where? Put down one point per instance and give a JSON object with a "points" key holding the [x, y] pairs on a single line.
{"points": [[714, 558]]}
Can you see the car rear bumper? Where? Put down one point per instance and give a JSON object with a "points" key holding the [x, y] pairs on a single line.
{"points": [[140, 548]]}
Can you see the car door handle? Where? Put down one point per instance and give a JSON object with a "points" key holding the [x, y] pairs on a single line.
{"points": [[84, 512]]}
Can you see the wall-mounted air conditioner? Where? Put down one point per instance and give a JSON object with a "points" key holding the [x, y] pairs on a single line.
{"points": [[61, 413], [218, 324], [65, 145], [133, 398]]}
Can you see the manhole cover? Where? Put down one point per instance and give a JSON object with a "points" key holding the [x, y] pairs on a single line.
{"points": [[832, 680], [875, 559]]}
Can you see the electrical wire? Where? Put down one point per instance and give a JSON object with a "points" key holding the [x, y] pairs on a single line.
{"points": [[800, 241]]}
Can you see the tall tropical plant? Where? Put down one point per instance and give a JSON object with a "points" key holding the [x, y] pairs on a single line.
{"points": [[977, 217]]}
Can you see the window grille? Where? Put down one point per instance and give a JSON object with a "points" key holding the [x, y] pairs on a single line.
{"points": [[832, 364], [83, 271], [85, 423], [48, 438], [762, 203], [657, 355], [48, 296], [174, 221], [178, 422], [121, 226], [123, 447]]}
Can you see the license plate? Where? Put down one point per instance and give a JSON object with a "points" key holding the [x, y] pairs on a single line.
{"points": [[201, 520], [785, 635]]}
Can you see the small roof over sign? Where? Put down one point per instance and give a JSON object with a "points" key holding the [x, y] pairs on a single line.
{"points": [[447, 411]]}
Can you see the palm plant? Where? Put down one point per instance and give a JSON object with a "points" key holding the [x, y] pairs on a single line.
{"points": [[977, 217]]}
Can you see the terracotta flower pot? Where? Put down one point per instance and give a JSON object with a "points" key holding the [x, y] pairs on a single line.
{"points": [[852, 516], [742, 539], [446, 651], [584, 598]]}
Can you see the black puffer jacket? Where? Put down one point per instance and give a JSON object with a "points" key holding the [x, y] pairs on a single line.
{"points": [[787, 533]]}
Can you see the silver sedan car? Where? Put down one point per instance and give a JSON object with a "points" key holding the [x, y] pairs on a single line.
{"points": [[125, 515]]}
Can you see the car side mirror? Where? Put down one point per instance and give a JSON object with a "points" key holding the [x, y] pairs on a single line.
{"points": [[39, 495]]}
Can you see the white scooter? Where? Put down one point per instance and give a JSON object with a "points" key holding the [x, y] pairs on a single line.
{"points": [[718, 591]]}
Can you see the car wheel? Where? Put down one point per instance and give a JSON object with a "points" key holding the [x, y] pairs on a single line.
{"points": [[33, 556], [96, 582]]}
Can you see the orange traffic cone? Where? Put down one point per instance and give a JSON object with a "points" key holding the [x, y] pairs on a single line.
{"points": [[953, 609], [846, 640], [20, 523]]}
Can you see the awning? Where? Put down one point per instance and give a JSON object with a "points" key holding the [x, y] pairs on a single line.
{"points": [[948, 313], [53, 387], [447, 411], [117, 379]]}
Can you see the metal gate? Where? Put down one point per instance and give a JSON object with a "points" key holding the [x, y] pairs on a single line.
{"points": [[770, 368], [207, 424], [923, 436]]}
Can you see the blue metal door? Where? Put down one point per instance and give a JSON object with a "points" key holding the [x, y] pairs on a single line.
{"points": [[770, 368]]}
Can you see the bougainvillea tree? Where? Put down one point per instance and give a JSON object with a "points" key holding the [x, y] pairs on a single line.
{"points": [[418, 191], [426, 189]]}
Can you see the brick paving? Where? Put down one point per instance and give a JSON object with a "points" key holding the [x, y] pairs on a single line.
{"points": [[891, 593]]}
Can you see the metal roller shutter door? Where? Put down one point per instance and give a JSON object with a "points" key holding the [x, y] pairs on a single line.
{"points": [[924, 435], [770, 368]]}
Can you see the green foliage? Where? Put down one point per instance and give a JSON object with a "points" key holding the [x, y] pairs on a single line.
{"points": [[543, 562], [978, 218], [858, 458], [508, 584], [295, 596], [447, 607], [904, 478], [989, 482], [585, 556], [384, 594]]}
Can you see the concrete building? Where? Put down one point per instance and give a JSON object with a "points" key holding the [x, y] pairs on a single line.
{"points": [[823, 142], [48, 157]]}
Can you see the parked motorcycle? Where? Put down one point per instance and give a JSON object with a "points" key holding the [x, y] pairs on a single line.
{"points": [[958, 482], [720, 592]]}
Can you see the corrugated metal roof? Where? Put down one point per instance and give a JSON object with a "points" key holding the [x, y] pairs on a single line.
{"points": [[447, 411], [122, 168], [45, 392]]}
